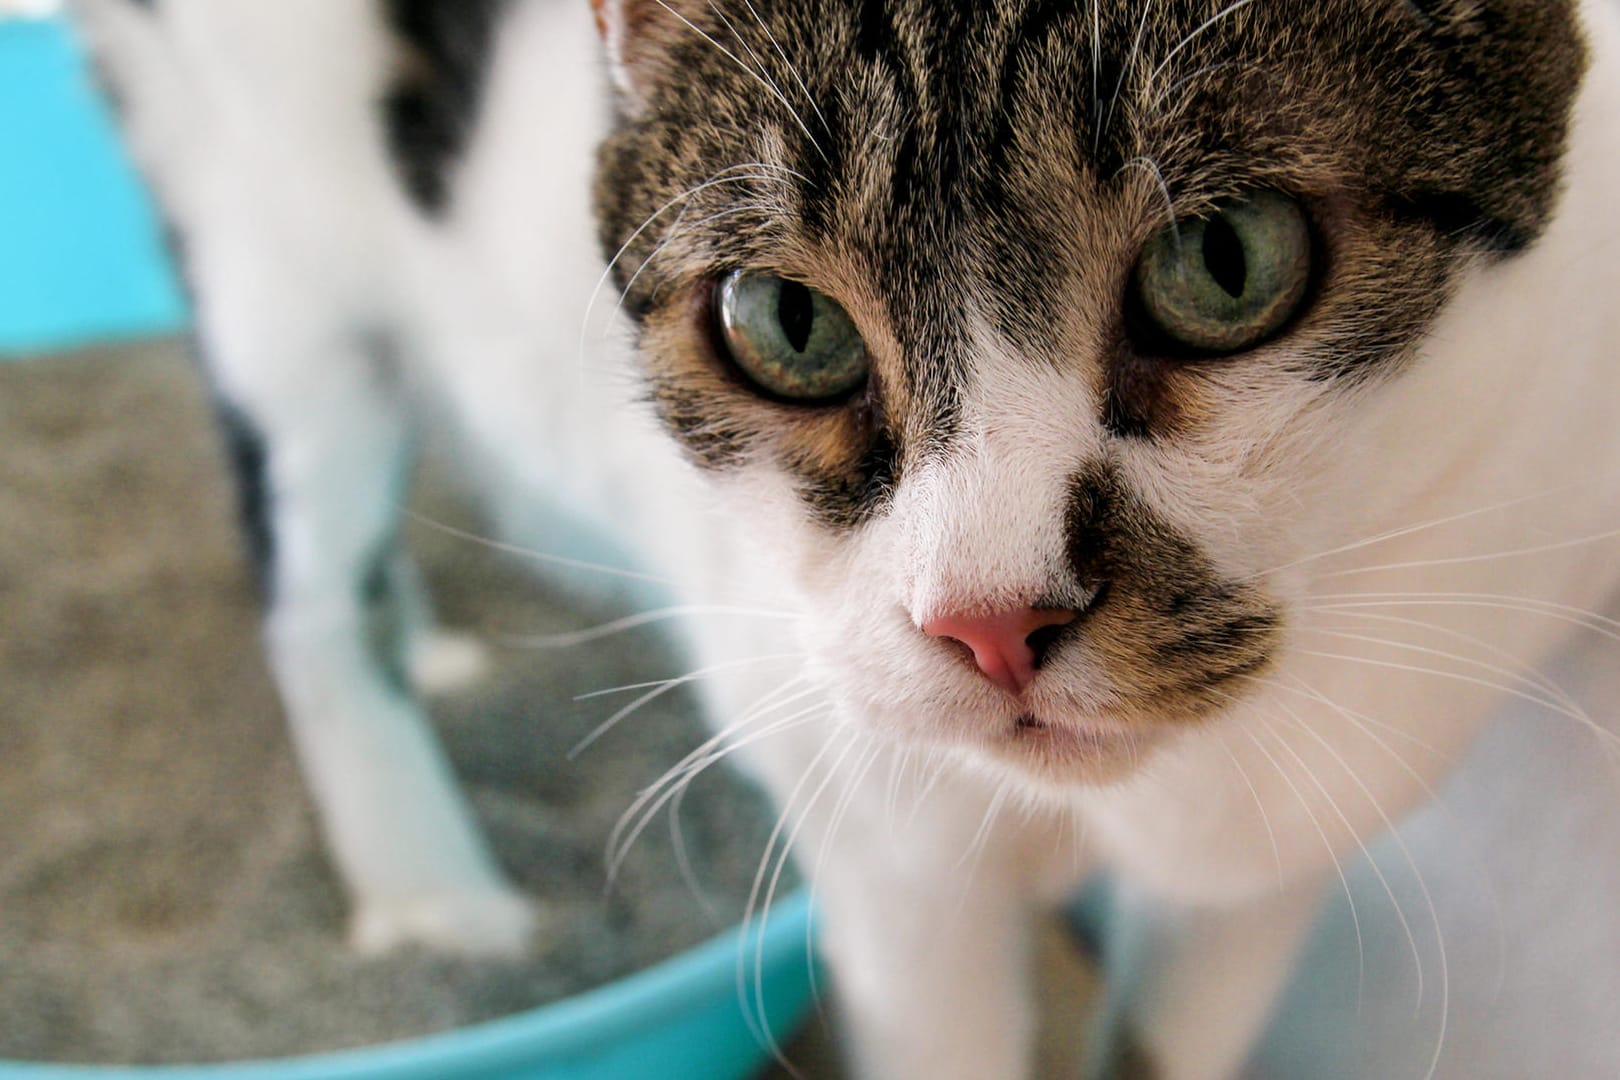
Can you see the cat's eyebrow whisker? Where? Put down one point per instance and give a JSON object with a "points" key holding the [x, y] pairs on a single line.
{"points": [[805, 90], [530, 554], [1207, 69], [1096, 68], [1130, 62], [1151, 167], [759, 64], [574, 638], [1188, 40], [659, 689], [1408, 530], [756, 76], [670, 237], [715, 179]]}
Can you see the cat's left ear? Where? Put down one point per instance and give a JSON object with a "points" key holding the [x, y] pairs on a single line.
{"points": [[635, 33]]}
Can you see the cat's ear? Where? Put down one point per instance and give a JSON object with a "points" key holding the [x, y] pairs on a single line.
{"points": [[635, 32]]}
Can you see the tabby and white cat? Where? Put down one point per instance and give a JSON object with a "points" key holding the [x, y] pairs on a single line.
{"points": [[1083, 381]]}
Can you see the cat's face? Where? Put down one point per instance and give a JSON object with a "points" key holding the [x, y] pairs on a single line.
{"points": [[1000, 380]]}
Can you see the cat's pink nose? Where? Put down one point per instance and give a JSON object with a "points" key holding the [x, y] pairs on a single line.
{"points": [[1007, 645]]}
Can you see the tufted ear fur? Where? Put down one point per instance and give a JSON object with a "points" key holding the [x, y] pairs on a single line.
{"points": [[635, 32]]}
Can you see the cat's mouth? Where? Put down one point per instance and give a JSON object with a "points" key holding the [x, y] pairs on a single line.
{"points": [[1070, 750]]}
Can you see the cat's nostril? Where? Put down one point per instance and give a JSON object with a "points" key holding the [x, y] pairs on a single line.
{"points": [[1042, 640], [1006, 646]]}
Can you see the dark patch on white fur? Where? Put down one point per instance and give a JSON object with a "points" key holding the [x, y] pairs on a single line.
{"points": [[381, 595], [431, 108], [1179, 631], [249, 461]]}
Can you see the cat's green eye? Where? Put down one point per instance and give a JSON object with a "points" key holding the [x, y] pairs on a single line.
{"points": [[1229, 281], [790, 340]]}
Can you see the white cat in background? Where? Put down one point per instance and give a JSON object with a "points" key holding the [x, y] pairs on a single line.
{"points": [[938, 805]]}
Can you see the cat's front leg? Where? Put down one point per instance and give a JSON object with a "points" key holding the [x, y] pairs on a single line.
{"points": [[1190, 990], [927, 925]]}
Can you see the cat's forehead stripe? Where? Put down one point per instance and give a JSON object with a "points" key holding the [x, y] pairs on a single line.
{"points": [[1009, 158]]}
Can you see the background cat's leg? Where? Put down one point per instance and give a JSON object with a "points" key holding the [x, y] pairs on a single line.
{"points": [[438, 659], [325, 489], [1190, 990]]}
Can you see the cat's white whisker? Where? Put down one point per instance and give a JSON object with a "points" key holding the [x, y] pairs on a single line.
{"points": [[661, 688], [1530, 675], [1333, 855], [974, 855], [1366, 853], [635, 820], [592, 634], [683, 863], [717, 747], [1408, 530], [1260, 805], [529, 553], [1460, 560], [1344, 603], [753, 909], [1367, 725], [679, 680], [1190, 38], [1552, 705], [853, 782]]}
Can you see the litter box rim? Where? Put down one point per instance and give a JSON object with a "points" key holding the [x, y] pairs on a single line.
{"points": [[602, 1033]]}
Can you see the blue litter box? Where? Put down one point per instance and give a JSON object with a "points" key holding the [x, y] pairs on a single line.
{"points": [[689, 1018]]}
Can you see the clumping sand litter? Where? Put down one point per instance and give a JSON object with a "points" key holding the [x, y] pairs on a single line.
{"points": [[163, 896]]}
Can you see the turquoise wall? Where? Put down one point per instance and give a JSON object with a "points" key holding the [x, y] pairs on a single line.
{"points": [[81, 253]]}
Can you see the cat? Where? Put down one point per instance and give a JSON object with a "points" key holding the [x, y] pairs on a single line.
{"points": [[1073, 392]]}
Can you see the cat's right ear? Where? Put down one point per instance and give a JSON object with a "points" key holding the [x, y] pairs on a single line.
{"points": [[634, 32]]}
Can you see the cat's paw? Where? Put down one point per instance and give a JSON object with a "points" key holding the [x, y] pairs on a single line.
{"points": [[444, 661], [493, 924]]}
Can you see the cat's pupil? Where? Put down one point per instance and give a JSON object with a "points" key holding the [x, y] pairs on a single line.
{"points": [[796, 311], [1223, 256]]}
